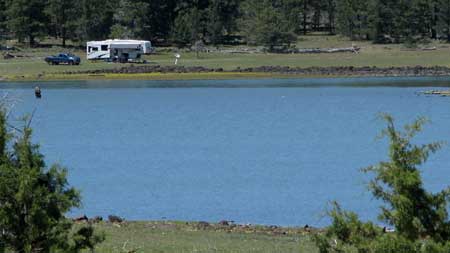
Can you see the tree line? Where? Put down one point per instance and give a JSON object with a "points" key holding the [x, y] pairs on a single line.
{"points": [[255, 22]]}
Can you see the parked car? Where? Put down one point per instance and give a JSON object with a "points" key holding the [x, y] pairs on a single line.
{"points": [[63, 59]]}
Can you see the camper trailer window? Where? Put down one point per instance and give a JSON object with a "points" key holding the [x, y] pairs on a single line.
{"points": [[104, 47], [93, 49]]}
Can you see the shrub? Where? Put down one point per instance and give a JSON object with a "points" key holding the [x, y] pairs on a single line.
{"points": [[347, 227], [391, 243]]}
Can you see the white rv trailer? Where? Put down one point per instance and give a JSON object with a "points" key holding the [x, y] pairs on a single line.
{"points": [[117, 50]]}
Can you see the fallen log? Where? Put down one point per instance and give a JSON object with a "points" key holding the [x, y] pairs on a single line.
{"points": [[428, 48], [325, 50]]}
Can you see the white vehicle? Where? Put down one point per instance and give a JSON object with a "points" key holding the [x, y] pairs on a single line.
{"points": [[118, 50]]}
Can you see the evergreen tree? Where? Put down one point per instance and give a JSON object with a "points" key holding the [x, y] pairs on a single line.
{"points": [[2, 19], [26, 19], [415, 212], [443, 22], [420, 217], [96, 19], [188, 26], [187, 21], [318, 7], [191, 22], [34, 199], [161, 15], [144, 19], [264, 24], [331, 15], [296, 13], [384, 20], [131, 20], [221, 16], [352, 19], [434, 18], [64, 17], [305, 13], [421, 18]]}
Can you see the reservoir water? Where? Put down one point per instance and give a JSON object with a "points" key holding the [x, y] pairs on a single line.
{"points": [[252, 151]]}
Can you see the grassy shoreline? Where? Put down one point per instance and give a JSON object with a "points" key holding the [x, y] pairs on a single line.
{"points": [[179, 236], [30, 66]]}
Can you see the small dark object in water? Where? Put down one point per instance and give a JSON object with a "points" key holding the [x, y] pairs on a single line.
{"points": [[37, 92]]}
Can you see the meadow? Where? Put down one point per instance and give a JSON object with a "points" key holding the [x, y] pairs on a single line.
{"points": [[32, 66], [173, 236]]}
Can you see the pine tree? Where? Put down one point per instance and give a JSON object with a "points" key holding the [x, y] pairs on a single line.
{"points": [[443, 22], [34, 199], [131, 20], [96, 19], [64, 17], [292, 11], [330, 6], [160, 16], [264, 24], [420, 217], [26, 19], [191, 22], [386, 18], [221, 16], [352, 19], [317, 7], [305, 14], [415, 212], [2, 18]]}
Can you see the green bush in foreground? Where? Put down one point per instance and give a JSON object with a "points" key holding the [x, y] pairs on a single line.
{"points": [[34, 199], [420, 217]]}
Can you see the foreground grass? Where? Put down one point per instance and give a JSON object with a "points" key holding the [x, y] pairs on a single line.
{"points": [[191, 237], [32, 65]]}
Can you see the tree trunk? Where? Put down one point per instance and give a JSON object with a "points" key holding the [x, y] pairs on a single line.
{"points": [[434, 21], [305, 16], [331, 23], [63, 35], [448, 20], [32, 41]]}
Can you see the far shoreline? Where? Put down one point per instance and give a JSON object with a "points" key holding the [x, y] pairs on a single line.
{"points": [[180, 73], [225, 76]]}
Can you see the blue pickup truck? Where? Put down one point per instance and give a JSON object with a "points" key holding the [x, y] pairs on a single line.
{"points": [[63, 59]]}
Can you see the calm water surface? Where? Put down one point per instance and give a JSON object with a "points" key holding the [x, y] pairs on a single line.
{"points": [[266, 151]]}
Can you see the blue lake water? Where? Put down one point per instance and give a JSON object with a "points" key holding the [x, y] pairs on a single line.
{"points": [[265, 151]]}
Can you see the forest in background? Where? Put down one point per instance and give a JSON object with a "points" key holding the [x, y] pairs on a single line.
{"points": [[267, 23]]}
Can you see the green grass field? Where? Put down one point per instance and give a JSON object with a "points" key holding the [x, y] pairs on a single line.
{"points": [[32, 65], [182, 237]]}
